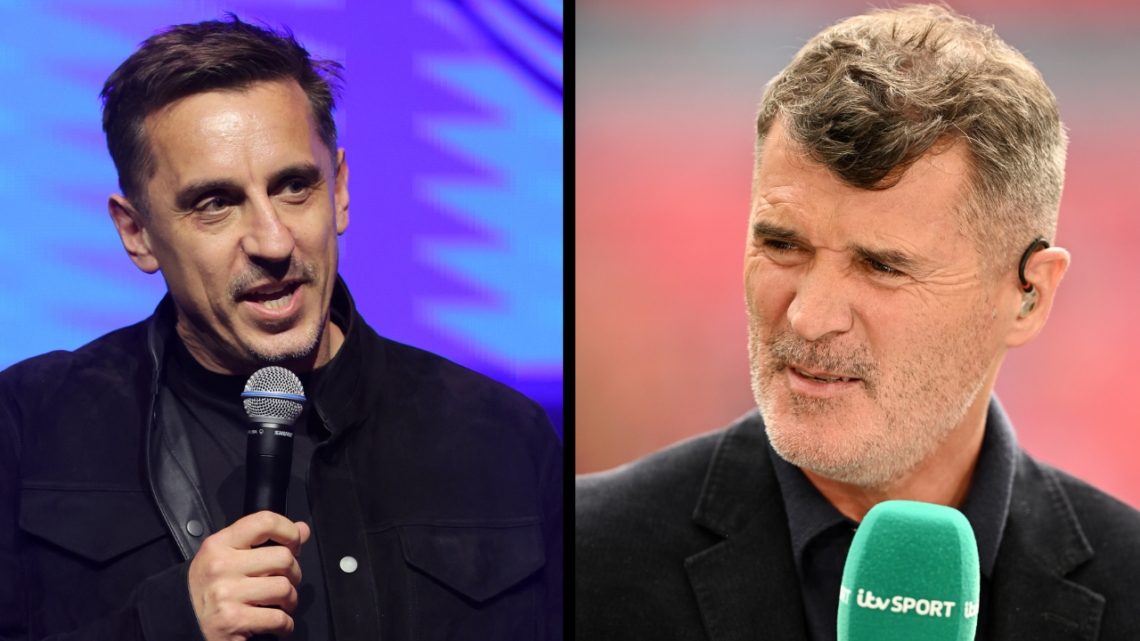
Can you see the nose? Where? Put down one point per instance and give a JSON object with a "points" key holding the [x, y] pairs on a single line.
{"points": [[267, 237], [821, 305]]}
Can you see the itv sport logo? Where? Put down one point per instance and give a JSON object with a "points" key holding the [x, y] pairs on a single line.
{"points": [[907, 604]]}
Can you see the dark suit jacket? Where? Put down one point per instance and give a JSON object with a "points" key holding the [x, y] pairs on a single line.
{"points": [[692, 542]]}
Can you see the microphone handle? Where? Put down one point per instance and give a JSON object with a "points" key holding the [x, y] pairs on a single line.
{"points": [[268, 461]]}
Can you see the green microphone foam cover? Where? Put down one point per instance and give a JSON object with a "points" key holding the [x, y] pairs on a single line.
{"points": [[912, 573]]}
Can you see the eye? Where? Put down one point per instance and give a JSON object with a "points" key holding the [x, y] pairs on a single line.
{"points": [[295, 190], [885, 270], [779, 245], [213, 205], [782, 252]]}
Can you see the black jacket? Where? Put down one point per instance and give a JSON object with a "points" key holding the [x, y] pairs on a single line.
{"points": [[693, 543], [445, 486]]}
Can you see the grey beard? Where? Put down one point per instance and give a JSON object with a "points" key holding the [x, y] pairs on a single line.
{"points": [[918, 416]]}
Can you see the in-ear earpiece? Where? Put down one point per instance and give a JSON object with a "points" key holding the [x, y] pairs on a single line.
{"points": [[1028, 302]]}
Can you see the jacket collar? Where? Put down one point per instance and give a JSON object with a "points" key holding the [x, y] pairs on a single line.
{"points": [[160, 328], [340, 393], [345, 390], [169, 459]]}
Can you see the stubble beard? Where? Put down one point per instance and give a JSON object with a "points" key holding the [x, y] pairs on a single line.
{"points": [[310, 340], [309, 343], [918, 407]]}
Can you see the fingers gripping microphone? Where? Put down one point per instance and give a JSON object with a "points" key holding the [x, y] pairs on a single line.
{"points": [[273, 400], [912, 573]]}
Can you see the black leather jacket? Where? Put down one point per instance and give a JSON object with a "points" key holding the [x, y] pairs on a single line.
{"points": [[445, 486]]}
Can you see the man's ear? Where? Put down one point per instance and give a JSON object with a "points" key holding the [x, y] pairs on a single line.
{"points": [[340, 192], [136, 240], [1043, 271]]}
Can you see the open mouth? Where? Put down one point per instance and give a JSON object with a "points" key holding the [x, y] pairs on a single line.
{"points": [[823, 379], [272, 297]]}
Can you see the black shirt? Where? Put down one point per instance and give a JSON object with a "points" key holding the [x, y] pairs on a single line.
{"points": [[821, 535], [210, 407]]}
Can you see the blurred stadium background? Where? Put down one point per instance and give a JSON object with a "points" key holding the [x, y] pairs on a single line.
{"points": [[452, 121], [665, 100]]}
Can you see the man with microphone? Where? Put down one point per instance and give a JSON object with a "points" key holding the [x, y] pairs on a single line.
{"points": [[908, 174], [421, 500]]}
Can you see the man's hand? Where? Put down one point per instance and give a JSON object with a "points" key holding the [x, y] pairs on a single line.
{"points": [[229, 578]]}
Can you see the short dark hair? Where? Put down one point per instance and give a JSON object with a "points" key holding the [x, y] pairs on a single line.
{"points": [[193, 58]]}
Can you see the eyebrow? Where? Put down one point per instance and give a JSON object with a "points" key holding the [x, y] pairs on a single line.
{"points": [[761, 228], [189, 195], [304, 170], [891, 257]]}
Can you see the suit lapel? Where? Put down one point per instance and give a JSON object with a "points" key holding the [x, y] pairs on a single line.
{"points": [[746, 586], [1042, 543]]}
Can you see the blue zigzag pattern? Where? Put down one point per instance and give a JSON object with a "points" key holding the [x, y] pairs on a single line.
{"points": [[520, 144]]}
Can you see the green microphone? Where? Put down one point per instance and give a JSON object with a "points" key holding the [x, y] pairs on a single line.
{"points": [[912, 573]]}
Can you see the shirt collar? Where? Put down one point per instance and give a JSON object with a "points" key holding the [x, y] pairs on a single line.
{"points": [[986, 506]]}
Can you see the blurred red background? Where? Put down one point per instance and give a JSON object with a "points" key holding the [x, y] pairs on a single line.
{"points": [[666, 95]]}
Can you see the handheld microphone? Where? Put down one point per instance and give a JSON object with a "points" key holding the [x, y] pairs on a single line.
{"points": [[273, 400], [912, 573]]}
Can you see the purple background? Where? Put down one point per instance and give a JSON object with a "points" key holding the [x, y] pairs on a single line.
{"points": [[452, 124]]}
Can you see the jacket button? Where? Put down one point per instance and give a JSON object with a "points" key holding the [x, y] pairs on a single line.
{"points": [[348, 564], [194, 528]]}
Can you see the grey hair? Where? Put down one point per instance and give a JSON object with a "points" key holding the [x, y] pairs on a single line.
{"points": [[871, 95]]}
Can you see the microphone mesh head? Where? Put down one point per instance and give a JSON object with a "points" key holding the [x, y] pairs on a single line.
{"points": [[273, 379]]}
